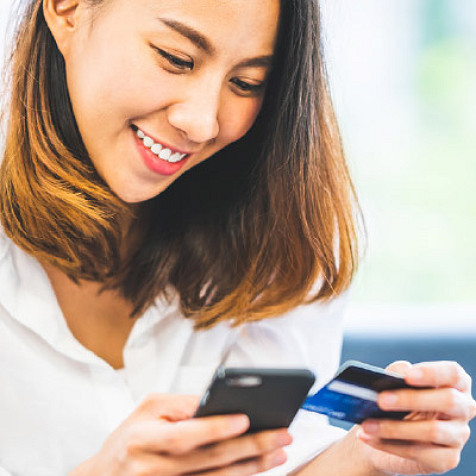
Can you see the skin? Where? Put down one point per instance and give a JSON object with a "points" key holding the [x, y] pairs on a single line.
{"points": [[119, 77], [116, 79], [201, 109], [429, 441], [160, 438]]}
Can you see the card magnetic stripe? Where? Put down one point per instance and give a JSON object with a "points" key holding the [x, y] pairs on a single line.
{"points": [[345, 388]]}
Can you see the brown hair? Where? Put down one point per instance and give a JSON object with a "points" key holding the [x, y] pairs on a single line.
{"points": [[264, 225]]}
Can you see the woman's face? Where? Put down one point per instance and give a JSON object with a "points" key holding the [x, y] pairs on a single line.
{"points": [[158, 86]]}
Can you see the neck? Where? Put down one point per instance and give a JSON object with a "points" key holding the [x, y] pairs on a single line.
{"points": [[133, 229]]}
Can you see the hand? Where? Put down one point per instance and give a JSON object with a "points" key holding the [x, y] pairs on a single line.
{"points": [[161, 438], [430, 439]]}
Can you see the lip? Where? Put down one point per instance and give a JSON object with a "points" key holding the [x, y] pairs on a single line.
{"points": [[155, 164]]}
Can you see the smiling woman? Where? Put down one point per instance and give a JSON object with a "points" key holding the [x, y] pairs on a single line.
{"points": [[186, 91], [127, 92], [174, 196]]}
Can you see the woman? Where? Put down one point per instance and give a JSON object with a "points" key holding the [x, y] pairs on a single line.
{"points": [[127, 276]]}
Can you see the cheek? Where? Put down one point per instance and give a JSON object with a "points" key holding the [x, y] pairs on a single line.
{"points": [[238, 120], [107, 87]]}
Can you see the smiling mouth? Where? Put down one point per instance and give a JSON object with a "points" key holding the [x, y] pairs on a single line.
{"points": [[161, 151]]}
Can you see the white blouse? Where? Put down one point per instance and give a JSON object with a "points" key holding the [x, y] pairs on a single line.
{"points": [[59, 401]]}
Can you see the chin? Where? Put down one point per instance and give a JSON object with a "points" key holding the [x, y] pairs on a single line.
{"points": [[131, 196], [131, 188]]}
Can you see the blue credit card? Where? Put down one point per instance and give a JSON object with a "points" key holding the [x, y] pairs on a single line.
{"points": [[352, 394]]}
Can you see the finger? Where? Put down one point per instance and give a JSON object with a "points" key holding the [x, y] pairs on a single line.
{"points": [[449, 401], [231, 451], [164, 465], [439, 374], [249, 467], [184, 436], [401, 367], [473, 409], [168, 407], [446, 433], [430, 458]]}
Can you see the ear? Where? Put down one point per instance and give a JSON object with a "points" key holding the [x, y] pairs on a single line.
{"points": [[61, 18]]}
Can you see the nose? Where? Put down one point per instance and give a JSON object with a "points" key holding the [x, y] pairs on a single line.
{"points": [[196, 113]]}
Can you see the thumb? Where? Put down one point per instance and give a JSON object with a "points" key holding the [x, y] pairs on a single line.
{"points": [[401, 367], [168, 407]]}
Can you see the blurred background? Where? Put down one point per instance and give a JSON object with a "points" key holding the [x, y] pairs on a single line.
{"points": [[403, 81]]}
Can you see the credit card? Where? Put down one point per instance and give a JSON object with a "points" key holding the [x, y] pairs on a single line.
{"points": [[352, 394]]}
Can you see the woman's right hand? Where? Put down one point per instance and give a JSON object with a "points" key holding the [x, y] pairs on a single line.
{"points": [[161, 438]]}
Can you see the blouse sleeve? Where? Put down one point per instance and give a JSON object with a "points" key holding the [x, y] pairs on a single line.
{"points": [[309, 336]]}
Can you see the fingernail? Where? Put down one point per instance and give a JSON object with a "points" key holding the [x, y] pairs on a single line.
{"points": [[279, 458], [285, 439], [388, 399], [370, 427], [362, 435], [239, 423]]}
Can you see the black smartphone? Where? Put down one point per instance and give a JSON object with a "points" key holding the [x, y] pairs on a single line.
{"points": [[270, 397], [352, 394]]}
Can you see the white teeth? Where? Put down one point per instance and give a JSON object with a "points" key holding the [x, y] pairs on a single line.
{"points": [[148, 142], [156, 148], [165, 154], [176, 157]]}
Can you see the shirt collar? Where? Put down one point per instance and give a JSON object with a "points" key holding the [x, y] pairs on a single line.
{"points": [[26, 292], [28, 297]]}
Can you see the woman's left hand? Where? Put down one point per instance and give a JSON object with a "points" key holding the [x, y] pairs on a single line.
{"points": [[431, 437]]}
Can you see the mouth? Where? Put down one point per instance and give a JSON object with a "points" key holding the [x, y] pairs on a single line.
{"points": [[160, 150], [159, 157]]}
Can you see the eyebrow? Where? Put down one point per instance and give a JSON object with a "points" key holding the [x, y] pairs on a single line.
{"points": [[188, 32], [259, 61], [204, 44]]}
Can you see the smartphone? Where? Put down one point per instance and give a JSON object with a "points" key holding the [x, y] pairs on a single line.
{"points": [[352, 394], [270, 397]]}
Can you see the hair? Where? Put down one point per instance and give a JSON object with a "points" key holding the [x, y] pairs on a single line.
{"points": [[263, 226]]}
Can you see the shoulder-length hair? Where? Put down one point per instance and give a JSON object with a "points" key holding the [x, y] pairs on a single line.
{"points": [[264, 225]]}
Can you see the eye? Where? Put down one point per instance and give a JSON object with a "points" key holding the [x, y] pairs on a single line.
{"points": [[175, 61], [246, 88]]}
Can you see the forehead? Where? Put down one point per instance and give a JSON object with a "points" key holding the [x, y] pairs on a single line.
{"points": [[244, 25]]}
